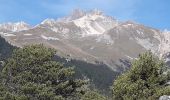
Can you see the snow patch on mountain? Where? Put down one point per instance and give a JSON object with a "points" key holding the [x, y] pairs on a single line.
{"points": [[48, 38], [139, 32], [6, 34], [86, 24], [28, 34], [54, 29], [127, 25], [49, 22], [95, 24]]}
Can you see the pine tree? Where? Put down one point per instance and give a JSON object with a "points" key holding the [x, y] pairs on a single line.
{"points": [[32, 74], [146, 80]]}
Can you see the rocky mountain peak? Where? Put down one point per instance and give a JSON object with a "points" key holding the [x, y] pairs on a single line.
{"points": [[14, 27], [95, 12], [49, 21], [77, 13]]}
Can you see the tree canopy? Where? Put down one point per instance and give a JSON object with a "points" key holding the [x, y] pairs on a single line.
{"points": [[146, 80], [32, 74]]}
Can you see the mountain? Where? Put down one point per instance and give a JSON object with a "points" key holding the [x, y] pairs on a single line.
{"points": [[93, 37], [14, 27]]}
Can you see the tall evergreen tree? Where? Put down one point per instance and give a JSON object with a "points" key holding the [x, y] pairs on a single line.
{"points": [[32, 74], [146, 80]]}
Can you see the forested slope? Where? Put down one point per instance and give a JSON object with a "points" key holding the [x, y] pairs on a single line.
{"points": [[5, 49]]}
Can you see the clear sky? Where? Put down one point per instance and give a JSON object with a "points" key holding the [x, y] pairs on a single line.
{"points": [[154, 13]]}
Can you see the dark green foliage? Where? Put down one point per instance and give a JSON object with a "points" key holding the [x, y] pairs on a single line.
{"points": [[32, 74], [93, 95], [145, 80], [5, 49]]}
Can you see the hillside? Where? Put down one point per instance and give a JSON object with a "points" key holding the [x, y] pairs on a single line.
{"points": [[5, 49], [100, 76]]}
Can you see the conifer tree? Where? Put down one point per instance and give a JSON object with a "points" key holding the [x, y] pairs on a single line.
{"points": [[32, 74], [146, 80]]}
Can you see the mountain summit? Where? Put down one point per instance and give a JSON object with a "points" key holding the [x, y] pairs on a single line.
{"points": [[92, 37], [14, 27]]}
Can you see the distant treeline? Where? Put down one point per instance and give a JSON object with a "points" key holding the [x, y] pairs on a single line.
{"points": [[100, 75]]}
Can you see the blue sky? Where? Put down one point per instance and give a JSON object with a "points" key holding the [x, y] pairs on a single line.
{"points": [[154, 13]]}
